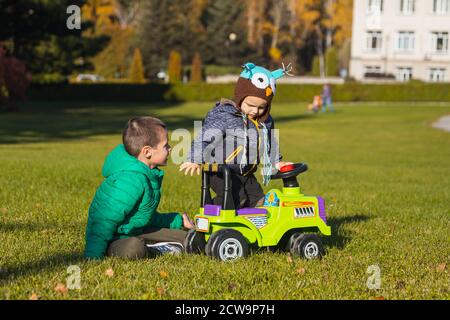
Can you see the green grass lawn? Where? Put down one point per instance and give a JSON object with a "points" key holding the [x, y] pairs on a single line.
{"points": [[383, 170]]}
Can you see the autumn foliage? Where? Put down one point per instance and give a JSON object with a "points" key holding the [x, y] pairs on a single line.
{"points": [[137, 68], [14, 81], [196, 72], [174, 67]]}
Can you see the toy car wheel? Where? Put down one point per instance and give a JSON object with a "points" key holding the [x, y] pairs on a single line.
{"points": [[291, 241], [195, 242], [229, 245], [308, 246], [210, 244]]}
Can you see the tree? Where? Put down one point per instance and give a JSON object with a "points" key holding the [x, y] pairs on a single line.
{"points": [[164, 26], [338, 21], [115, 19], [291, 24], [174, 71], [114, 59], [35, 32], [226, 33], [315, 71], [14, 81], [196, 72], [137, 69]]}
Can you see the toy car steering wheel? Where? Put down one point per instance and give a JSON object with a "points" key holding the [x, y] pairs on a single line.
{"points": [[289, 176]]}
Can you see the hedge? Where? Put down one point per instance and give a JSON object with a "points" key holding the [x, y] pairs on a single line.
{"points": [[210, 92]]}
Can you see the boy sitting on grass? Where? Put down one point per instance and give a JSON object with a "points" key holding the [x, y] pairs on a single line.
{"points": [[123, 219]]}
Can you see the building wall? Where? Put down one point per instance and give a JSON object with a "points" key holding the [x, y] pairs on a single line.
{"points": [[422, 22]]}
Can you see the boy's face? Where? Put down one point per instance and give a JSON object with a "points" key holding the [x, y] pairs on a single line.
{"points": [[253, 107], [157, 155]]}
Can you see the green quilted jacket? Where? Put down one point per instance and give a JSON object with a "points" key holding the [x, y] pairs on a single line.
{"points": [[125, 203]]}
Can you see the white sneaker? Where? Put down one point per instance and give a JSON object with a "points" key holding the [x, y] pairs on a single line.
{"points": [[160, 248]]}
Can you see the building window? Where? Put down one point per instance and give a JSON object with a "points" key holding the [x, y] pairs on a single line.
{"points": [[405, 41], [439, 42], [375, 6], [407, 6], [373, 40], [437, 74], [372, 71], [404, 74], [441, 6]]}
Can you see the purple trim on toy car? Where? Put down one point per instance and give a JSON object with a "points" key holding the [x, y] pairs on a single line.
{"points": [[322, 209], [247, 211], [212, 210]]}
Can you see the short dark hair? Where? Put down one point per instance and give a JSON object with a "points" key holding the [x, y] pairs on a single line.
{"points": [[140, 132]]}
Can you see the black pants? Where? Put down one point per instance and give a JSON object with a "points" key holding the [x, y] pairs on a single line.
{"points": [[247, 191], [134, 247]]}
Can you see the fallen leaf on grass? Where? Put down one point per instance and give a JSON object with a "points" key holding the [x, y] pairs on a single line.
{"points": [[379, 298], [61, 288], [163, 274], [4, 210], [289, 259], [232, 286], [161, 291], [109, 272], [441, 267], [301, 271], [34, 296]]}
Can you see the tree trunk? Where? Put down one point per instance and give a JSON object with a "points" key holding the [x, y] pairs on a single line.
{"points": [[329, 36], [277, 17], [251, 17], [320, 52]]}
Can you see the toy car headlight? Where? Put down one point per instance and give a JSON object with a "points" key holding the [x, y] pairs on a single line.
{"points": [[202, 224]]}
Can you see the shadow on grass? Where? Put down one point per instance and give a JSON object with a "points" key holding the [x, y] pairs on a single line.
{"points": [[55, 121], [339, 239], [60, 261], [20, 226], [42, 121]]}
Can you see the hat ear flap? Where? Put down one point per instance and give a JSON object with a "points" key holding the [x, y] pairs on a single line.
{"points": [[278, 73], [249, 66]]}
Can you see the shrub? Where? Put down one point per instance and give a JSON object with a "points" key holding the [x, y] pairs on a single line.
{"points": [[211, 92], [332, 62], [174, 71], [215, 70], [196, 72], [137, 68], [315, 71]]}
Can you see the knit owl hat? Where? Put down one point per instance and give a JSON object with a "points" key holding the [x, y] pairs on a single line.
{"points": [[258, 82]]}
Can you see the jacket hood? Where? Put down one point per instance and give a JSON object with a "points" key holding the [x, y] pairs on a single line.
{"points": [[120, 160]]}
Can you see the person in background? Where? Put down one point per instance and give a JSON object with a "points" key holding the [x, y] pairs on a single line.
{"points": [[326, 98]]}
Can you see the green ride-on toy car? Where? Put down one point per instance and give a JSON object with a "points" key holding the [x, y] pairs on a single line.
{"points": [[288, 220]]}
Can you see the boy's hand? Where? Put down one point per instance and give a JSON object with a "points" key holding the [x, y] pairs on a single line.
{"points": [[282, 164], [189, 166], [187, 222]]}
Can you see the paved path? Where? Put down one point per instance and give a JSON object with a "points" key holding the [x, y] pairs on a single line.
{"points": [[443, 123]]}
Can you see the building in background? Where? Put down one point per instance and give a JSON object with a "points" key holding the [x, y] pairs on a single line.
{"points": [[401, 40]]}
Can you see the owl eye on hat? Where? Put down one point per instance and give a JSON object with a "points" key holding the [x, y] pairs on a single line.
{"points": [[257, 81]]}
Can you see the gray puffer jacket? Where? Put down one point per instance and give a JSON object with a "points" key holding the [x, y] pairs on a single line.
{"points": [[226, 137]]}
